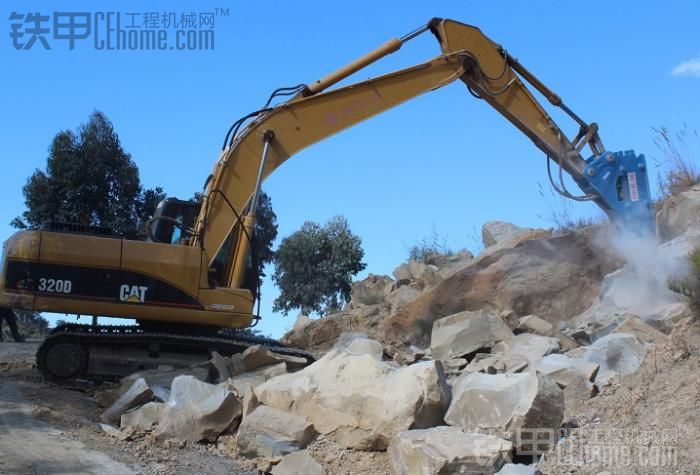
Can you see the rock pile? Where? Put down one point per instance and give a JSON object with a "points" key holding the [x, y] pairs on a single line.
{"points": [[448, 367]]}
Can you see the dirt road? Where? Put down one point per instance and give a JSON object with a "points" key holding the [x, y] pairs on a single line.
{"points": [[48, 429], [31, 446]]}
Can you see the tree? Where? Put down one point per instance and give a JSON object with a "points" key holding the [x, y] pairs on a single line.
{"points": [[314, 267], [91, 180], [265, 234]]}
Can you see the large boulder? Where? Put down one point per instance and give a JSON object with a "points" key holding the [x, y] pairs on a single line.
{"points": [[357, 398], [197, 411], [620, 353], [495, 232], [411, 270], [320, 335], [269, 432], [466, 332], [401, 297], [678, 213], [446, 450], [370, 291], [448, 264], [554, 278], [502, 404]]}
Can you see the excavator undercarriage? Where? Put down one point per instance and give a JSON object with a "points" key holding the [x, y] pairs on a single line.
{"points": [[74, 351]]}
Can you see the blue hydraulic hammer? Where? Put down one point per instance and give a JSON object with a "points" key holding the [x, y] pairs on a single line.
{"points": [[621, 183]]}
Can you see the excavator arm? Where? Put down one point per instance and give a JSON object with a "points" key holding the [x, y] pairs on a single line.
{"points": [[617, 182]]}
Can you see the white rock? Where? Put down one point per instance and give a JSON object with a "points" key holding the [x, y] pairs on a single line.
{"points": [[494, 232], [446, 450], [411, 270], [250, 401], [370, 291], [401, 297], [619, 352], [242, 382], [257, 356], [358, 399], [409, 356], [534, 347], [498, 363], [197, 411], [644, 332], [534, 324], [298, 463], [268, 432], [222, 366], [137, 394], [144, 417], [466, 332], [565, 370], [678, 213], [501, 404]]}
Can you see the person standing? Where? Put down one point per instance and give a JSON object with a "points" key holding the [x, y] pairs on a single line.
{"points": [[9, 316]]}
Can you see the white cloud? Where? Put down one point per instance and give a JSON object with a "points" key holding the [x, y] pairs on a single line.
{"points": [[688, 68]]}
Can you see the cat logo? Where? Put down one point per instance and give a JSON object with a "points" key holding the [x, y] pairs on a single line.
{"points": [[132, 293]]}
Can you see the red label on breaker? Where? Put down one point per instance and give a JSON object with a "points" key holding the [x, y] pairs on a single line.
{"points": [[634, 190]]}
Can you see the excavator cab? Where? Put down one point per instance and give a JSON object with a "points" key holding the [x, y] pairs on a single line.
{"points": [[173, 221]]}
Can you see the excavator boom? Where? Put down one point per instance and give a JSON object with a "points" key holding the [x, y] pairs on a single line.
{"points": [[226, 220]]}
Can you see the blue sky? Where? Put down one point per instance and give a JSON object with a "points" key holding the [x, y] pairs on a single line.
{"points": [[444, 161]]}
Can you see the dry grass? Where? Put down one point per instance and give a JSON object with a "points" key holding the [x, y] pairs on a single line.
{"points": [[690, 284], [677, 168], [561, 213], [429, 249]]}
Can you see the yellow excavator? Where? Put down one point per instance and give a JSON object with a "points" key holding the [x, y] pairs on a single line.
{"points": [[191, 284]]}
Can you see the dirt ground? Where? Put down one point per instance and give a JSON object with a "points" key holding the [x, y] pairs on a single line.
{"points": [[47, 429]]}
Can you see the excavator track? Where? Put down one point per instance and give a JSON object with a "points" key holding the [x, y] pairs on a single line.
{"points": [[103, 353]]}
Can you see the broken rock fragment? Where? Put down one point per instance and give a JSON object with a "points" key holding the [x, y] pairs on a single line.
{"points": [[269, 432], [502, 404], [298, 463], [446, 450], [361, 401], [534, 324], [619, 353], [644, 332], [466, 332], [564, 370], [197, 411], [532, 346], [137, 394], [144, 417], [257, 356]]}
